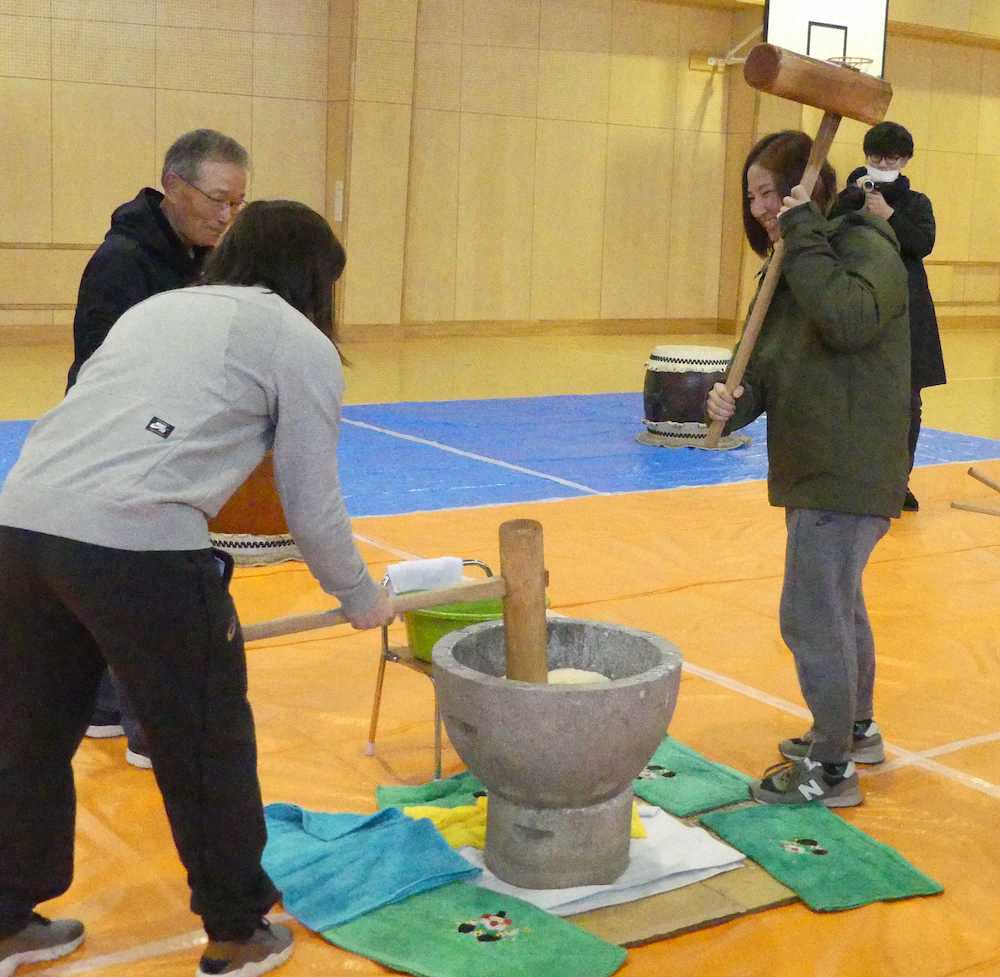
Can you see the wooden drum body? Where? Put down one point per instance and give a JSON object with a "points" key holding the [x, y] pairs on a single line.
{"points": [[251, 526], [678, 379]]}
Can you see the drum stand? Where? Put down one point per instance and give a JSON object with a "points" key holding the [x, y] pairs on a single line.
{"points": [[972, 507], [404, 656]]}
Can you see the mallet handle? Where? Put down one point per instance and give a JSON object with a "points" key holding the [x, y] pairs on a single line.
{"points": [[817, 156], [418, 600], [972, 507], [984, 478], [526, 632]]}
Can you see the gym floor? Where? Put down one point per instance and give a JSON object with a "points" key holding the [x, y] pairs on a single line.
{"points": [[688, 549]]}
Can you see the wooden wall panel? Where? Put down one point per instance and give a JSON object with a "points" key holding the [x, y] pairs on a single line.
{"points": [[26, 160], [513, 23], [290, 66], [89, 151], [576, 25], [574, 85], [500, 80], [383, 70], [235, 15], [387, 20], [289, 150], [432, 218], [204, 60], [25, 47], [341, 18], [636, 240], [696, 224], [121, 11], [568, 234], [379, 169], [37, 276], [988, 140], [495, 203], [440, 21], [954, 101], [953, 211], [115, 54], [300, 17], [439, 76], [909, 68], [703, 96], [984, 242]]}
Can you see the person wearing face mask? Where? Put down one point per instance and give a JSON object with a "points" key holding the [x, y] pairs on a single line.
{"points": [[831, 369], [156, 242], [881, 189]]}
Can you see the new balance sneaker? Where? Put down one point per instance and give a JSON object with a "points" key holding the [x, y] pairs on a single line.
{"points": [[269, 947], [42, 939], [104, 724], [803, 780], [866, 746]]}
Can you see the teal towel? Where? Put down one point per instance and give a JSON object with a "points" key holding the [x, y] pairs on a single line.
{"points": [[457, 791], [333, 867], [683, 782], [829, 863], [467, 931]]}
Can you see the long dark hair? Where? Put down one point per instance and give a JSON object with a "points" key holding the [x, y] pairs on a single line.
{"points": [[784, 155], [286, 247]]}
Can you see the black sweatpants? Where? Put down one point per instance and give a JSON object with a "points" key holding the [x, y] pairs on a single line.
{"points": [[164, 621]]}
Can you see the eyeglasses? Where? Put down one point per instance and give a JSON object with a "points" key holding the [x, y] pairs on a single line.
{"points": [[217, 203], [891, 161]]}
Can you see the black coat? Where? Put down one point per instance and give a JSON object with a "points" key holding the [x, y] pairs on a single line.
{"points": [[140, 256], [913, 222]]}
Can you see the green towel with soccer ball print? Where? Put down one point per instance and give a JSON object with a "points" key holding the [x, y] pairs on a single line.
{"points": [[461, 930], [827, 862]]}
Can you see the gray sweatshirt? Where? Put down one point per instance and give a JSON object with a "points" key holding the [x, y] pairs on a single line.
{"points": [[171, 415]]}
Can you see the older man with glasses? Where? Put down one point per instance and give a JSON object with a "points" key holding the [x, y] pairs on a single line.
{"points": [[156, 242]]}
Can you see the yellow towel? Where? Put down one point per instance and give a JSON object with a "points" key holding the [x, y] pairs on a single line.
{"points": [[466, 825]]}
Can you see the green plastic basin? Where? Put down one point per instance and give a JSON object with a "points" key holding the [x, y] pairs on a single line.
{"points": [[423, 628]]}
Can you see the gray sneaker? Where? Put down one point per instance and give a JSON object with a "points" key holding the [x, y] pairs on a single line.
{"points": [[269, 947], [803, 780], [42, 939], [867, 746]]}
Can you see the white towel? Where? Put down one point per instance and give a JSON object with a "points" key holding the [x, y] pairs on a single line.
{"points": [[671, 856], [436, 574]]}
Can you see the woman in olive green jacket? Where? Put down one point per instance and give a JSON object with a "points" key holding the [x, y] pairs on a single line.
{"points": [[831, 369]]}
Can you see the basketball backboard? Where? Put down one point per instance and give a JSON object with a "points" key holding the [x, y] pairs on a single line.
{"points": [[827, 29]]}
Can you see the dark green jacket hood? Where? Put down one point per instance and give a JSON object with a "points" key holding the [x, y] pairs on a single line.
{"points": [[831, 368]]}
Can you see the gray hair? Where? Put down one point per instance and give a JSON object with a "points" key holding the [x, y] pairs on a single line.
{"points": [[199, 146]]}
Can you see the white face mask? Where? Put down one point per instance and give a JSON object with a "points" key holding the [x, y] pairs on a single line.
{"points": [[882, 176]]}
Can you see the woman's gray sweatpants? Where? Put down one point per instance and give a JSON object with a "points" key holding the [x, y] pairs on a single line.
{"points": [[825, 624]]}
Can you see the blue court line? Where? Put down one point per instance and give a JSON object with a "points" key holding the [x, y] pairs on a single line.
{"points": [[421, 456]]}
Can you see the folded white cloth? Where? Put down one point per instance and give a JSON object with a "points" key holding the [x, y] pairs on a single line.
{"points": [[671, 855], [435, 574]]}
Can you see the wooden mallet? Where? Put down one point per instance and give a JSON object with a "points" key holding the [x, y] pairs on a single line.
{"points": [[839, 92], [521, 584]]}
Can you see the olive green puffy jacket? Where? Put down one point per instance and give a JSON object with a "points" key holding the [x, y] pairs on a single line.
{"points": [[831, 368]]}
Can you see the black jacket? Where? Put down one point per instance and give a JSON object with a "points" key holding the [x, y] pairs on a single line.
{"points": [[140, 256], [913, 222]]}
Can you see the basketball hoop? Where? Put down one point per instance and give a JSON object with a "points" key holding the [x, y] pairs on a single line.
{"points": [[854, 64]]}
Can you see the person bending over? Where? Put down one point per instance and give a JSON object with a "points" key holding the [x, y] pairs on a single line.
{"points": [[105, 560]]}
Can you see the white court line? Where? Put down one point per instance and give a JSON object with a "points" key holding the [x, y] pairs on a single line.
{"points": [[386, 548], [471, 454], [903, 758], [961, 744]]}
